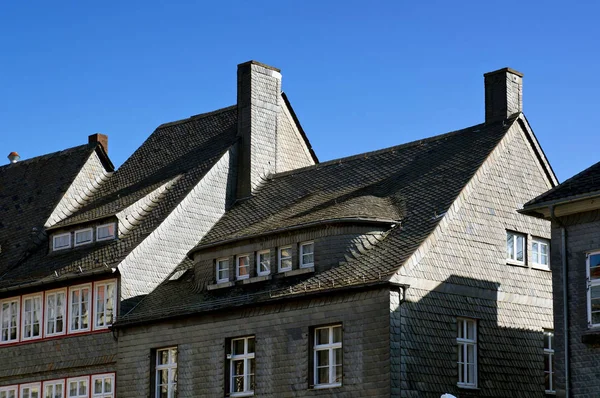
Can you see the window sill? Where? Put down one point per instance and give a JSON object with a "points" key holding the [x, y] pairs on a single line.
{"points": [[467, 386], [516, 263], [591, 336], [324, 386], [540, 267], [550, 392], [242, 394], [254, 280], [299, 271], [220, 285]]}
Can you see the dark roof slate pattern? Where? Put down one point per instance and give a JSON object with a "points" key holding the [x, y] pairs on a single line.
{"points": [[415, 183]]}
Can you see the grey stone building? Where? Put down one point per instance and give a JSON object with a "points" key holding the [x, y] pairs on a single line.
{"points": [[574, 209], [404, 272]]}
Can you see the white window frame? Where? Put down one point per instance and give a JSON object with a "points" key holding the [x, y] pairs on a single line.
{"points": [[535, 261], [8, 389], [98, 239], [18, 323], [246, 357], [217, 269], [55, 237], [280, 258], [55, 384], [170, 367], [105, 284], [41, 315], [258, 262], [330, 347], [237, 267], [463, 344], [517, 235], [103, 394], [302, 263], [589, 285], [30, 386], [64, 312], [90, 306], [549, 352], [80, 231], [77, 380]]}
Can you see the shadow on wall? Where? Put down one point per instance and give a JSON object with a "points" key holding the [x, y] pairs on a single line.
{"points": [[510, 360]]}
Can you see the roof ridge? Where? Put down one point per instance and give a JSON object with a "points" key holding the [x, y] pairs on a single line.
{"points": [[48, 155], [196, 117], [385, 150]]}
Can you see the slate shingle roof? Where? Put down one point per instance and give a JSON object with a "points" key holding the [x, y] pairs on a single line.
{"points": [[180, 152], [586, 182], [414, 183], [29, 192]]}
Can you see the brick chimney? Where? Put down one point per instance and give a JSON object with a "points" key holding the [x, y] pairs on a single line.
{"points": [[503, 94], [258, 96], [99, 138]]}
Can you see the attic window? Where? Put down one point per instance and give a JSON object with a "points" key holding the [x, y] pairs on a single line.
{"points": [[307, 254], [83, 236], [61, 241], [105, 232]]}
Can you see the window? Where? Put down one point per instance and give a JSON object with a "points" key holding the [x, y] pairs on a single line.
{"points": [[593, 289], [79, 306], [539, 253], [241, 367], [103, 386], [30, 390], [515, 247], [327, 356], [242, 267], [549, 360], [222, 270], [61, 241], [54, 389], [77, 387], [467, 353], [32, 317], [105, 232], [83, 236], [285, 258], [307, 254], [105, 304], [8, 392], [9, 320], [263, 261], [55, 312], [166, 373]]}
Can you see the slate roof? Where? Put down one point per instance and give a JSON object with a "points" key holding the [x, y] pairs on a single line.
{"points": [[180, 152], [29, 192], [414, 183], [583, 184]]}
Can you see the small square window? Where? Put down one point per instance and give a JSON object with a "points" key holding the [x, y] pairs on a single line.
{"points": [[83, 237], [540, 253], [263, 262], [307, 254], [242, 267], [222, 270], [515, 247], [105, 232], [61, 241], [285, 259]]}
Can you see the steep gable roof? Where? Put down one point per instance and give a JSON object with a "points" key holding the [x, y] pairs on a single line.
{"points": [[413, 184], [29, 192]]}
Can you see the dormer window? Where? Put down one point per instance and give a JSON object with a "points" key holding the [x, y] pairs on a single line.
{"points": [[105, 232], [242, 268], [83, 236], [222, 270], [307, 254], [61, 241], [285, 259]]}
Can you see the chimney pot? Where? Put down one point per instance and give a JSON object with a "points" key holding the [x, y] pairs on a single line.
{"points": [[13, 157], [101, 139], [503, 94]]}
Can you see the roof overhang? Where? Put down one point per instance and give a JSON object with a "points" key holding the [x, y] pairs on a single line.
{"points": [[564, 207]]}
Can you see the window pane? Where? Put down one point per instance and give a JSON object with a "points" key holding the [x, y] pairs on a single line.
{"points": [[323, 358], [338, 374], [594, 266], [238, 347], [251, 344], [322, 336], [286, 252], [323, 375], [108, 384], [337, 334], [470, 354], [520, 242], [337, 356], [163, 357], [510, 246]]}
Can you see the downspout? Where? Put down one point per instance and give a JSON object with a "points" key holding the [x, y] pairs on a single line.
{"points": [[563, 243]]}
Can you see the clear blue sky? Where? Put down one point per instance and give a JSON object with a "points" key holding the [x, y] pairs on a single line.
{"points": [[360, 75]]}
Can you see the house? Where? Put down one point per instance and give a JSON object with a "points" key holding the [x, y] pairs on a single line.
{"points": [[573, 207], [404, 272], [81, 243]]}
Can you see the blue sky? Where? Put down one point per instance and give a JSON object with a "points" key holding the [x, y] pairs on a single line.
{"points": [[360, 75]]}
